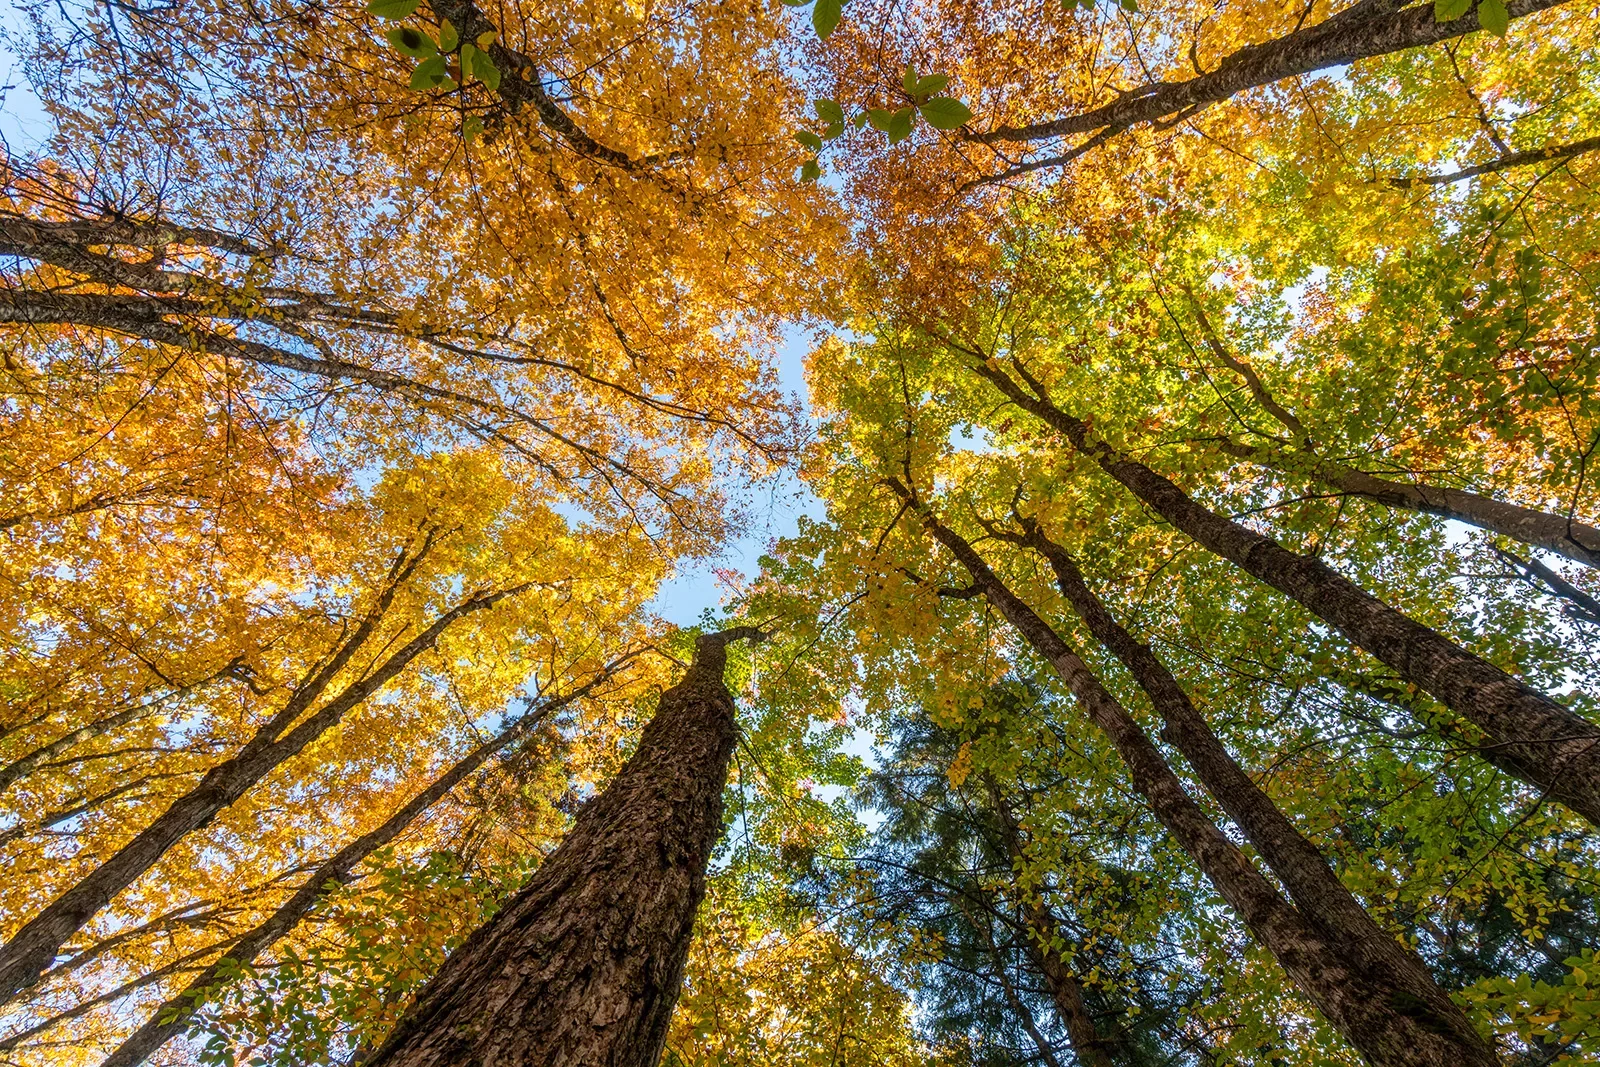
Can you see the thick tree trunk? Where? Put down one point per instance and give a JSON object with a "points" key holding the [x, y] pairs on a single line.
{"points": [[1389, 1026], [1529, 735], [33, 947], [583, 966], [172, 1018], [1311, 883], [1577, 541]]}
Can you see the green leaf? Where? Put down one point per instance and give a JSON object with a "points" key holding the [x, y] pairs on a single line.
{"points": [[834, 129], [393, 9], [825, 16], [909, 82], [931, 84], [946, 113], [796, 3], [810, 140], [412, 42], [1493, 16], [476, 62], [880, 118], [900, 125], [860, 120], [431, 74], [829, 111], [1128, 5], [810, 171], [1450, 10], [471, 128], [448, 36]]}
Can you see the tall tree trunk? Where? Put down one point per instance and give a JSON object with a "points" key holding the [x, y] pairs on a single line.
{"points": [[1311, 883], [1529, 735], [582, 968], [1066, 992], [172, 1017], [33, 947], [1389, 1026]]}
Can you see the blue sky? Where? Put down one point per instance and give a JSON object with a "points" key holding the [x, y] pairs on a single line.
{"points": [[774, 510]]}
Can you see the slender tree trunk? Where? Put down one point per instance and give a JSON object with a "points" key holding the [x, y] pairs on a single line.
{"points": [[582, 968], [1387, 1025], [172, 1018], [1565, 536], [1558, 533], [1529, 735], [33, 947], [1311, 883], [1066, 992], [1024, 1016]]}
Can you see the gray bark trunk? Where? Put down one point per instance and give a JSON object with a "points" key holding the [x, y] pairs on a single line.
{"points": [[1528, 735], [1389, 1026], [1311, 883]]}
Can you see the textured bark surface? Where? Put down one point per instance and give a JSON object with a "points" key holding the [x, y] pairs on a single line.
{"points": [[1577, 541], [33, 947], [583, 966], [1365, 29], [172, 1017], [1389, 1026], [1311, 883], [1529, 735]]}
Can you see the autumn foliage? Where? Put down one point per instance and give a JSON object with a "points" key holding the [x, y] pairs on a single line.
{"points": [[1186, 653]]}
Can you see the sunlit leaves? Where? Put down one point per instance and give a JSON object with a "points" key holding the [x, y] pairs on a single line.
{"points": [[432, 73], [825, 16], [393, 9], [946, 113]]}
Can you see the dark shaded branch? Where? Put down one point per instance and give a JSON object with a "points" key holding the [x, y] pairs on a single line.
{"points": [[1366, 29]]}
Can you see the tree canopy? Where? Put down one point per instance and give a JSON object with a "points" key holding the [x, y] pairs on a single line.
{"points": [[1186, 654]]}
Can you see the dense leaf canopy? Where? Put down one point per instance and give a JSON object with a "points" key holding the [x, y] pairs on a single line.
{"points": [[1190, 650]]}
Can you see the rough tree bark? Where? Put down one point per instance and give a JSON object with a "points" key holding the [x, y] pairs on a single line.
{"points": [[1561, 534], [1311, 883], [1565, 536], [1528, 735], [1365, 29], [1390, 1026], [583, 966], [172, 1017]]}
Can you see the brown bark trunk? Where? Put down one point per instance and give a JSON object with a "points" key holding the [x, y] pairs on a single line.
{"points": [[33, 947], [1577, 541], [172, 1018], [583, 966], [1066, 993], [1311, 883], [1024, 1016], [1387, 1025], [1365, 29], [1529, 735]]}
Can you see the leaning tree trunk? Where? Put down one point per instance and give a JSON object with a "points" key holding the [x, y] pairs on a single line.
{"points": [[1527, 734], [582, 967], [1389, 1026]]}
